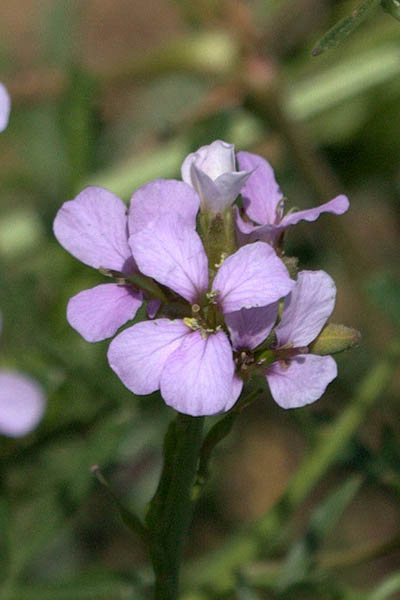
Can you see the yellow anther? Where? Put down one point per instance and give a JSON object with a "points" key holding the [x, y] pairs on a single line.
{"points": [[191, 323]]}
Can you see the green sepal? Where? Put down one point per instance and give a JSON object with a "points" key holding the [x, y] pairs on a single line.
{"points": [[147, 284], [218, 236], [335, 338]]}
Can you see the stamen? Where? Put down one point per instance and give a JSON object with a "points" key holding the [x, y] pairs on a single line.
{"points": [[224, 255], [192, 323]]}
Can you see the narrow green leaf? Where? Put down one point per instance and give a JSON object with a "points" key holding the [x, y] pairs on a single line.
{"points": [[341, 31], [392, 7], [95, 587], [129, 518], [216, 434], [324, 518], [327, 515], [387, 589]]}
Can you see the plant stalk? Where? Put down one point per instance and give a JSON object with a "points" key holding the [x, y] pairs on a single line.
{"points": [[171, 509]]}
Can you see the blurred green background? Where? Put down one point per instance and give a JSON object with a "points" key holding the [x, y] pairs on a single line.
{"points": [[116, 94]]}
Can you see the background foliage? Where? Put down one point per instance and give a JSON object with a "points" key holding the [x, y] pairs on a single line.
{"points": [[301, 504]]}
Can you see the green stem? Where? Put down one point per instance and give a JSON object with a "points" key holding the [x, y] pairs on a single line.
{"points": [[171, 509]]}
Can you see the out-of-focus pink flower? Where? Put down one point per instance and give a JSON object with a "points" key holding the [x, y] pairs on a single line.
{"points": [[22, 402], [5, 107]]}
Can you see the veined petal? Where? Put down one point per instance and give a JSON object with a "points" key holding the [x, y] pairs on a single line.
{"points": [[337, 206], [22, 403], [216, 196], [229, 186], [306, 309], [261, 194], [93, 228], [138, 354], [198, 377], [170, 251], [251, 326], [214, 160], [212, 172], [99, 312], [5, 107], [252, 276], [247, 232], [160, 197], [302, 381]]}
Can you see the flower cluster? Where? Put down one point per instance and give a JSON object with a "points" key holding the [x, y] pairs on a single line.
{"points": [[221, 304]]}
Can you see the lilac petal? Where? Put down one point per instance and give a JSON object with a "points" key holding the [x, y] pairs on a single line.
{"points": [[138, 354], [213, 160], [216, 196], [159, 197], [170, 251], [261, 194], [212, 172], [237, 387], [22, 403], [229, 186], [253, 276], [93, 228], [198, 377], [5, 107], [306, 309], [303, 381], [251, 326], [210, 197], [337, 206], [247, 232], [99, 312]]}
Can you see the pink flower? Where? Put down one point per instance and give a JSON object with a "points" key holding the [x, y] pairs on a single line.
{"points": [[212, 172], [5, 107], [22, 403], [263, 204], [296, 378], [190, 360], [94, 227]]}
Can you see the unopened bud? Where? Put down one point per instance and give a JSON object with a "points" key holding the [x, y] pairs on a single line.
{"points": [[335, 338]]}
